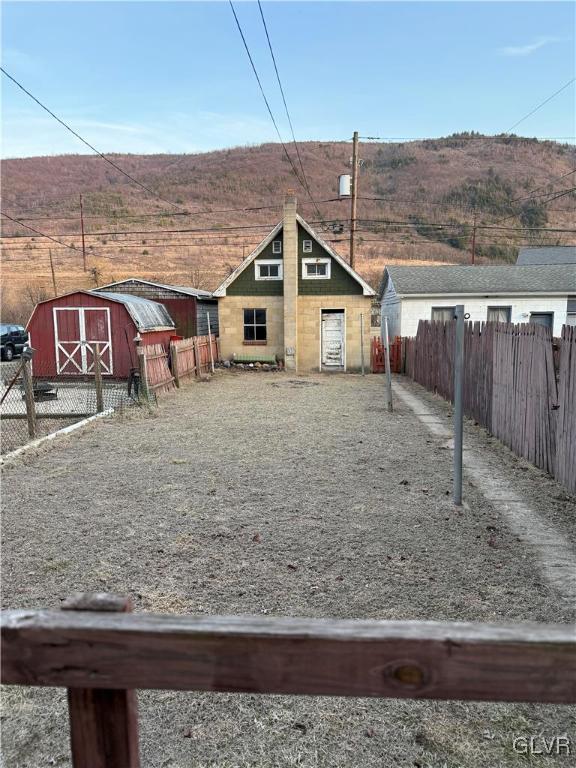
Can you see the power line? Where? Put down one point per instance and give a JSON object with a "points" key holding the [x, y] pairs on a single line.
{"points": [[542, 104], [460, 137], [87, 143], [264, 96], [306, 184]]}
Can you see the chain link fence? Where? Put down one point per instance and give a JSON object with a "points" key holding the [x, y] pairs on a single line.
{"points": [[50, 403]]}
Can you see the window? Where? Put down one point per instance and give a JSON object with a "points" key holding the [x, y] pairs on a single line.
{"points": [[499, 314], [442, 314], [270, 269], [255, 325], [277, 246], [542, 318], [316, 269], [307, 246]]}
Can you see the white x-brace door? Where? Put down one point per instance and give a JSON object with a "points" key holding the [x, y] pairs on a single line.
{"points": [[76, 331]]}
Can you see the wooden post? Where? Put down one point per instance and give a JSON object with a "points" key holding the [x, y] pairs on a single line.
{"points": [[354, 197], [196, 354], [174, 362], [143, 371], [98, 378], [53, 273], [103, 722], [210, 342], [82, 227], [29, 397]]}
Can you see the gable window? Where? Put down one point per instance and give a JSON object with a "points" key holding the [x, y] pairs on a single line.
{"points": [[277, 246], [255, 326], [316, 269], [443, 314], [269, 269], [306, 246], [499, 314]]}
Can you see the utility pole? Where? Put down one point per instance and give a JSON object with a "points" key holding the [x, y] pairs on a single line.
{"points": [[473, 254], [82, 227], [354, 195], [53, 273]]}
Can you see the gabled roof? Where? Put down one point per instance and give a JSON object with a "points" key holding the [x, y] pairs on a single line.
{"points": [[557, 254], [197, 292], [481, 280], [221, 290]]}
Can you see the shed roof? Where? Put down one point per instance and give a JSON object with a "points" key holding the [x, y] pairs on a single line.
{"points": [[188, 290], [147, 315], [461, 280], [557, 254]]}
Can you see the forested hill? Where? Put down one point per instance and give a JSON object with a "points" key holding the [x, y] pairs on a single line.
{"points": [[417, 201]]}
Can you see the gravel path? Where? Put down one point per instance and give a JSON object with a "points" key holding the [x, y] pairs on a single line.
{"points": [[265, 494]]}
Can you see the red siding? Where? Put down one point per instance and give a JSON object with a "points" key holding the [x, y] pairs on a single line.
{"points": [[122, 333], [183, 311]]}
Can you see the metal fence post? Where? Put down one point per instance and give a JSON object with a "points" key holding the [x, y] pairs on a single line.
{"points": [[29, 396], [210, 342], [387, 362], [98, 378], [458, 401], [362, 343]]}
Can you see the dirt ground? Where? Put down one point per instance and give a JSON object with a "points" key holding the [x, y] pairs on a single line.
{"points": [[354, 518]]}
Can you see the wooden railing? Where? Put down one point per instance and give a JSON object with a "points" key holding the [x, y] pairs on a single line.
{"points": [[102, 653]]}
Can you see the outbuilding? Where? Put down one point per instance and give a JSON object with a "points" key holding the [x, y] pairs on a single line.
{"points": [[64, 330], [188, 307]]}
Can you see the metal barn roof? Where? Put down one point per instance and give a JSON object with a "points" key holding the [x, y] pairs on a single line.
{"points": [[188, 290], [147, 315], [558, 254], [461, 280]]}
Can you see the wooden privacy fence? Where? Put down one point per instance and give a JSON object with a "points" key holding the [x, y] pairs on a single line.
{"points": [[511, 385], [377, 357], [102, 653], [193, 357], [162, 369]]}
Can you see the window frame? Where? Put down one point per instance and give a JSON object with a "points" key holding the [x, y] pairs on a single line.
{"points": [[269, 263], [254, 325], [499, 308], [276, 246], [320, 260], [307, 246], [443, 309]]}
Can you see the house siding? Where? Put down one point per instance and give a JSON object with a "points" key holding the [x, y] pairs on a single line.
{"points": [[246, 283], [231, 313], [341, 282], [415, 309]]}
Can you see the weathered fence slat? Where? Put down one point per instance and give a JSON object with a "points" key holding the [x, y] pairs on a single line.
{"points": [[406, 659], [509, 386], [103, 721]]}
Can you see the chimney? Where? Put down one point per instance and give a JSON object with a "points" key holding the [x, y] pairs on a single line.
{"points": [[290, 254]]}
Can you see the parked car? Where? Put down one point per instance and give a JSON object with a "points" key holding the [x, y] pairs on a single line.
{"points": [[13, 339]]}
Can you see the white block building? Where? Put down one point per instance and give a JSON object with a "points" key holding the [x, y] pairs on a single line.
{"points": [[544, 294]]}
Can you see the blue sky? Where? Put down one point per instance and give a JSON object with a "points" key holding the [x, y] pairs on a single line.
{"points": [[174, 77]]}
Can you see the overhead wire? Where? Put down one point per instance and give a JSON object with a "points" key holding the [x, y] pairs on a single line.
{"points": [[87, 143]]}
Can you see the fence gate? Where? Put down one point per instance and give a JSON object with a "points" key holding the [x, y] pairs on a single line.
{"points": [[76, 330]]}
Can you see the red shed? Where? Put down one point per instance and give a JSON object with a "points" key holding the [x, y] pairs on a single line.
{"points": [[63, 330]]}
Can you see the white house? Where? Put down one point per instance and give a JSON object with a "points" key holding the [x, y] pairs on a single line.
{"points": [[544, 294]]}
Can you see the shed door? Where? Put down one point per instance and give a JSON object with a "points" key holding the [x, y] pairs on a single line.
{"points": [[76, 330], [332, 339]]}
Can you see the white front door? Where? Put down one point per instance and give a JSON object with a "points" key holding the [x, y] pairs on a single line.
{"points": [[332, 339]]}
